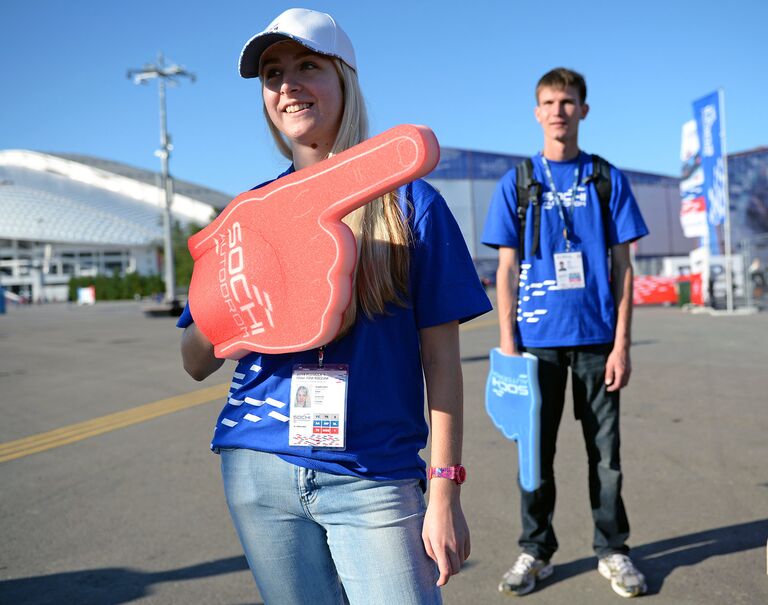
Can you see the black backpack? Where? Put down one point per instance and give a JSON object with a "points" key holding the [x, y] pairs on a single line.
{"points": [[529, 192]]}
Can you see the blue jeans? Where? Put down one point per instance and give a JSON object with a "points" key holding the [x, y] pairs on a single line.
{"points": [[598, 411], [320, 539]]}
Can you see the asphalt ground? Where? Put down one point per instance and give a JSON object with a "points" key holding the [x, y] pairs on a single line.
{"points": [[109, 493]]}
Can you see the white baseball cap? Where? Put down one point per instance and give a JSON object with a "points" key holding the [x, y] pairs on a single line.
{"points": [[315, 30]]}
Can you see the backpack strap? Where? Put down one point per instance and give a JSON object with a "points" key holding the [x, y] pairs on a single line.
{"points": [[528, 192], [601, 177]]}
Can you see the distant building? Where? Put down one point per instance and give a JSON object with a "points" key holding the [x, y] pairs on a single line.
{"points": [[64, 215], [467, 180]]}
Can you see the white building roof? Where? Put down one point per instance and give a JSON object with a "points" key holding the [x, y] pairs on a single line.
{"points": [[83, 200]]}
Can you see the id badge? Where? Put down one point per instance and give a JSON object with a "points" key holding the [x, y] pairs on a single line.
{"points": [[569, 270], [319, 406]]}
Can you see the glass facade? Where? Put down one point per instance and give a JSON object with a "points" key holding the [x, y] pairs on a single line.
{"points": [[748, 189]]}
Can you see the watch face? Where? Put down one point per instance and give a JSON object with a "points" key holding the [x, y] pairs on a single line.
{"points": [[461, 474]]}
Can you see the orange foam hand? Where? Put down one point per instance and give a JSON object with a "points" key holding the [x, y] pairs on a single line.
{"points": [[273, 272]]}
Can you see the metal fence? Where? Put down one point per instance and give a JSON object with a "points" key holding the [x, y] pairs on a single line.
{"points": [[755, 253]]}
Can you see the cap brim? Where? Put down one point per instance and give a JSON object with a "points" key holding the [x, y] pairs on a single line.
{"points": [[254, 48]]}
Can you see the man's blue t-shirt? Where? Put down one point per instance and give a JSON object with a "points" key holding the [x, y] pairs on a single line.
{"points": [[548, 316], [386, 427]]}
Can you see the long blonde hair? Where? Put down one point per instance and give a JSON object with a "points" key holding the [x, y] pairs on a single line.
{"points": [[382, 232]]}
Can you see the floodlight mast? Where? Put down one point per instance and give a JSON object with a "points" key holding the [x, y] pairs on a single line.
{"points": [[163, 74]]}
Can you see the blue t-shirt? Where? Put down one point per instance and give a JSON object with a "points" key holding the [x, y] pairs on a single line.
{"points": [[386, 426], [548, 316]]}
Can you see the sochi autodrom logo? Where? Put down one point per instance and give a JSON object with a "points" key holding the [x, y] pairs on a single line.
{"points": [[240, 297]]}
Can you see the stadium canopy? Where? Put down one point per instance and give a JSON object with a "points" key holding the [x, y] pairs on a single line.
{"points": [[82, 200]]}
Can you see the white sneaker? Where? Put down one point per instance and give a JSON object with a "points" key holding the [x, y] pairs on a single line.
{"points": [[522, 577], [626, 579]]}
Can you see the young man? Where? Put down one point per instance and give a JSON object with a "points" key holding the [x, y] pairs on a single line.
{"points": [[564, 288]]}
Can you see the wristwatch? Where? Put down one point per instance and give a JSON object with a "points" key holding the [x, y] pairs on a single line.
{"points": [[456, 472]]}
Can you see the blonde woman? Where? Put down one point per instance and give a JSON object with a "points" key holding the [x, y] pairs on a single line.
{"points": [[302, 397], [331, 525]]}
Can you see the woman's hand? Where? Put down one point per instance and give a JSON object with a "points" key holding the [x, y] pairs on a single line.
{"points": [[445, 532]]}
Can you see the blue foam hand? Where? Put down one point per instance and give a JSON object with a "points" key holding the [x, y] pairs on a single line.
{"points": [[513, 401]]}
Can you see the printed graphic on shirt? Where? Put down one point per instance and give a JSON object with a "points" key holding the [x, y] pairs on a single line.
{"points": [[566, 199], [531, 297], [258, 409]]}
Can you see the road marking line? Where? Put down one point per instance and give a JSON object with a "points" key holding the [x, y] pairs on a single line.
{"points": [[11, 450], [103, 424]]}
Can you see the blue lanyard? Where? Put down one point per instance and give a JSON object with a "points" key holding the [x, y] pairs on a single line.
{"points": [[559, 204]]}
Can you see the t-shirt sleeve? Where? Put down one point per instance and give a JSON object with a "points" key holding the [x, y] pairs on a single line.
{"points": [[502, 227], [627, 224], [185, 319], [444, 283]]}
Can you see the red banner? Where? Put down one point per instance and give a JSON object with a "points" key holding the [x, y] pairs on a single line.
{"points": [[655, 290]]}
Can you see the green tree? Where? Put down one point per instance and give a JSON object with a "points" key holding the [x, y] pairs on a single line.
{"points": [[182, 259], [122, 287]]}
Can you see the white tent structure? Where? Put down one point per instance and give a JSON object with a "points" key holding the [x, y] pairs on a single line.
{"points": [[64, 215]]}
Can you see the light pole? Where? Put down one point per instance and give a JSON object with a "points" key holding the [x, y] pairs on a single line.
{"points": [[171, 75]]}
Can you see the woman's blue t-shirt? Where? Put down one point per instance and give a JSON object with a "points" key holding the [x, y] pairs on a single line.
{"points": [[386, 425]]}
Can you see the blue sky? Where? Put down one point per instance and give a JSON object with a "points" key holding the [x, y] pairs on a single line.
{"points": [[465, 69]]}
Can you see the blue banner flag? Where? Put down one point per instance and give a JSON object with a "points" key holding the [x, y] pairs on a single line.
{"points": [[706, 111]]}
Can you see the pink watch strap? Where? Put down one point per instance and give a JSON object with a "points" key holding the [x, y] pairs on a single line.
{"points": [[456, 473]]}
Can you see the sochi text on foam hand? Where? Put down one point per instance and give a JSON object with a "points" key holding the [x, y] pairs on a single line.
{"points": [[504, 385], [234, 287]]}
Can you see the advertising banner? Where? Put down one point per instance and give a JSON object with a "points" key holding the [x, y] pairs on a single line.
{"points": [[702, 185], [708, 127], [693, 210], [86, 295]]}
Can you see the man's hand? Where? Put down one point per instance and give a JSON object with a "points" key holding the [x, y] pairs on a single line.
{"points": [[445, 532], [618, 366], [617, 369], [509, 348]]}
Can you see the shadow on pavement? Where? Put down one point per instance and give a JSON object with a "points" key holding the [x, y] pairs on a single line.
{"points": [[474, 358], [116, 586], [659, 559], [107, 586]]}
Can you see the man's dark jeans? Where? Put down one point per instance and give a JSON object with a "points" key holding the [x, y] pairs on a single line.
{"points": [[598, 411]]}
